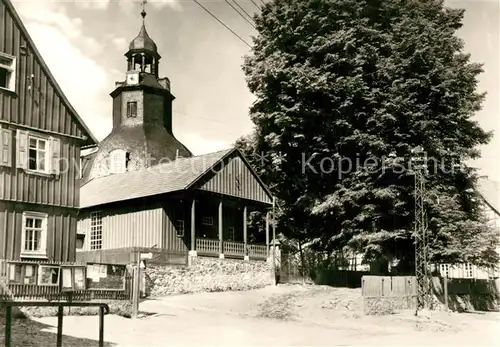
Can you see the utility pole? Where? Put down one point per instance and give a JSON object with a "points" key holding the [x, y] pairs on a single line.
{"points": [[274, 240], [422, 271]]}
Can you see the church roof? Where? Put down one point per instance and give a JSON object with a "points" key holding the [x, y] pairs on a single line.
{"points": [[143, 42], [164, 178]]}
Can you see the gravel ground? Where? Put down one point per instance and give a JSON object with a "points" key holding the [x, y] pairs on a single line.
{"points": [[30, 333], [274, 316]]}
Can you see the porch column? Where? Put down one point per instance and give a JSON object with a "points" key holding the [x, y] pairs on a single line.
{"points": [[221, 234], [267, 234], [193, 229], [245, 244]]}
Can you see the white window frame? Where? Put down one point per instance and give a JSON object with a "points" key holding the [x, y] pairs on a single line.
{"points": [[444, 269], [231, 235], [117, 161], [180, 227], [10, 67], [206, 220], [468, 270], [40, 270], [95, 241], [42, 251], [46, 154]]}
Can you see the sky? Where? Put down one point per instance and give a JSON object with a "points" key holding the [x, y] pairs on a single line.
{"points": [[84, 41]]}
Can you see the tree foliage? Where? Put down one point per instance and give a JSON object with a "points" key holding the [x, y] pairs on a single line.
{"points": [[345, 90]]}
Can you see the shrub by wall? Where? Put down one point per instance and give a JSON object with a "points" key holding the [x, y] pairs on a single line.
{"points": [[208, 275]]}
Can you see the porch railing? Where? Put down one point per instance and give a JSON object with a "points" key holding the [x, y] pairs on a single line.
{"points": [[257, 251], [207, 246], [230, 248], [234, 248]]}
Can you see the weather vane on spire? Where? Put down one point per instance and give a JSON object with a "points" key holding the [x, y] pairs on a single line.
{"points": [[143, 13]]}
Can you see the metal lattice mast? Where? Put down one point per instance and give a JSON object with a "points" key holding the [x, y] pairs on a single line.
{"points": [[422, 272]]}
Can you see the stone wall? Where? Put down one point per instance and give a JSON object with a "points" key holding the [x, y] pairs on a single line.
{"points": [[208, 275]]}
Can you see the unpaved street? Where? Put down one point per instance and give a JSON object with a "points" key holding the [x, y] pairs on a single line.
{"points": [[282, 316]]}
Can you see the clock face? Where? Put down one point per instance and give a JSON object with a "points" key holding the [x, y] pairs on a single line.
{"points": [[132, 79]]}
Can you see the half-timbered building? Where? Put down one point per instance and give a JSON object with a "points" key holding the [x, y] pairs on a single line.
{"points": [[144, 188], [41, 135]]}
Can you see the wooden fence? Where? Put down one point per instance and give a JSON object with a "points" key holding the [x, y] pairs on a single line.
{"points": [[380, 286], [388, 294], [37, 280]]}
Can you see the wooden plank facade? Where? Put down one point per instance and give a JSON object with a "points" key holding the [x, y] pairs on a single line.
{"points": [[40, 140], [209, 221], [235, 178]]}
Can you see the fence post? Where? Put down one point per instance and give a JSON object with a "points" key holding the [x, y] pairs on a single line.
{"points": [[136, 284], [59, 325], [382, 286], [445, 286], [8, 324]]}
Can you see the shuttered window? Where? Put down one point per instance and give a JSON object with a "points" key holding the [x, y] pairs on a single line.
{"points": [[37, 153]]}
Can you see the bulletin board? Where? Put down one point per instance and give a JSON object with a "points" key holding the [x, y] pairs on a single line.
{"points": [[105, 276]]}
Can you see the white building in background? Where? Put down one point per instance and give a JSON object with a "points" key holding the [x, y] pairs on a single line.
{"points": [[489, 191]]}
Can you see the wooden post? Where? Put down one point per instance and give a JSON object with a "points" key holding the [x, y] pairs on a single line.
{"points": [[267, 233], [221, 234], [193, 227], [8, 325], [445, 286], [59, 325], [137, 276], [245, 241]]}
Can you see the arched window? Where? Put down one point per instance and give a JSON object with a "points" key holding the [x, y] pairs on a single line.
{"points": [[117, 161]]}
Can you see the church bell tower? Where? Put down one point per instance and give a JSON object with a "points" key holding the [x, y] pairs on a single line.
{"points": [[142, 133]]}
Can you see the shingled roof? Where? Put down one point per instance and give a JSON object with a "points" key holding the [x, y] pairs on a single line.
{"points": [[164, 178]]}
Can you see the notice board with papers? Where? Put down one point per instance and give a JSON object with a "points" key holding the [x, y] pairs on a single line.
{"points": [[106, 276]]}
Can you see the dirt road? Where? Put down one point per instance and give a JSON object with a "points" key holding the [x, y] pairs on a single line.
{"points": [[282, 316]]}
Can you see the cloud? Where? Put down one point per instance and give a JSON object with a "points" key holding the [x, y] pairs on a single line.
{"points": [[101, 5], [120, 42], [173, 4], [199, 145], [128, 6], [82, 80]]}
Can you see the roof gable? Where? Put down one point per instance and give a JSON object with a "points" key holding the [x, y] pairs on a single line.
{"points": [[234, 177], [41, 103]]}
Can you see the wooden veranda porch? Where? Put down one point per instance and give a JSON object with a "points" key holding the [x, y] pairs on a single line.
{"points": [[219, 227]]}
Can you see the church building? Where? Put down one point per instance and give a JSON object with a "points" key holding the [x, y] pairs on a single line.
{"points": [[143, 188]]}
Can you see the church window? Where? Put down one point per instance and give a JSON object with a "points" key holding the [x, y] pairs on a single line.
{"points": [[7, 72], [95, 230], [207, 220], [179, 227], [132, 109], [118, 161]]}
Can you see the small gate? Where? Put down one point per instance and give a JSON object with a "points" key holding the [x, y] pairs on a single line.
{"points": [[290, 269]]}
